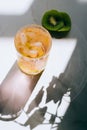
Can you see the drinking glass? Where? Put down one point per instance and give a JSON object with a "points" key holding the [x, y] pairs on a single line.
{"points": [[33, 44]]}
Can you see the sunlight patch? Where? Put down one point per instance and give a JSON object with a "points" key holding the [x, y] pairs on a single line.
{"points": [[16, 7]]}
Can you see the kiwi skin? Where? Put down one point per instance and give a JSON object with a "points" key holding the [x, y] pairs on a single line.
{"points": [[65, 22], [57, 34]]}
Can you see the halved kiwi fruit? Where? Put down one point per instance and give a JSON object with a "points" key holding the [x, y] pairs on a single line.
{"points": [[57, 23], [52, 20]]}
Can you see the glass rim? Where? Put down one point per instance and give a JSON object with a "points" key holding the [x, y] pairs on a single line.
{"points": [[37, 26]]}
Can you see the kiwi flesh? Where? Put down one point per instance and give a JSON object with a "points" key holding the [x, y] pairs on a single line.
{"points": [[52, 21]]}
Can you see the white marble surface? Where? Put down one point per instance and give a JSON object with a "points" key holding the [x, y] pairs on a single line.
{"points": [[7, 56], [17, 7]]}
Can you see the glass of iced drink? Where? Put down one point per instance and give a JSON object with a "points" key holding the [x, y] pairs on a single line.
{"points": [[33, 44]]}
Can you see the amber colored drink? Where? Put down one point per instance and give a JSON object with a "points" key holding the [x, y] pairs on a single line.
{"points": [[33, 44]]}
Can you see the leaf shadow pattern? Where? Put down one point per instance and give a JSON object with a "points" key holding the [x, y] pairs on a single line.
{"points": [[56, 90], [39, 112], [36, 118], [36, 101]]}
